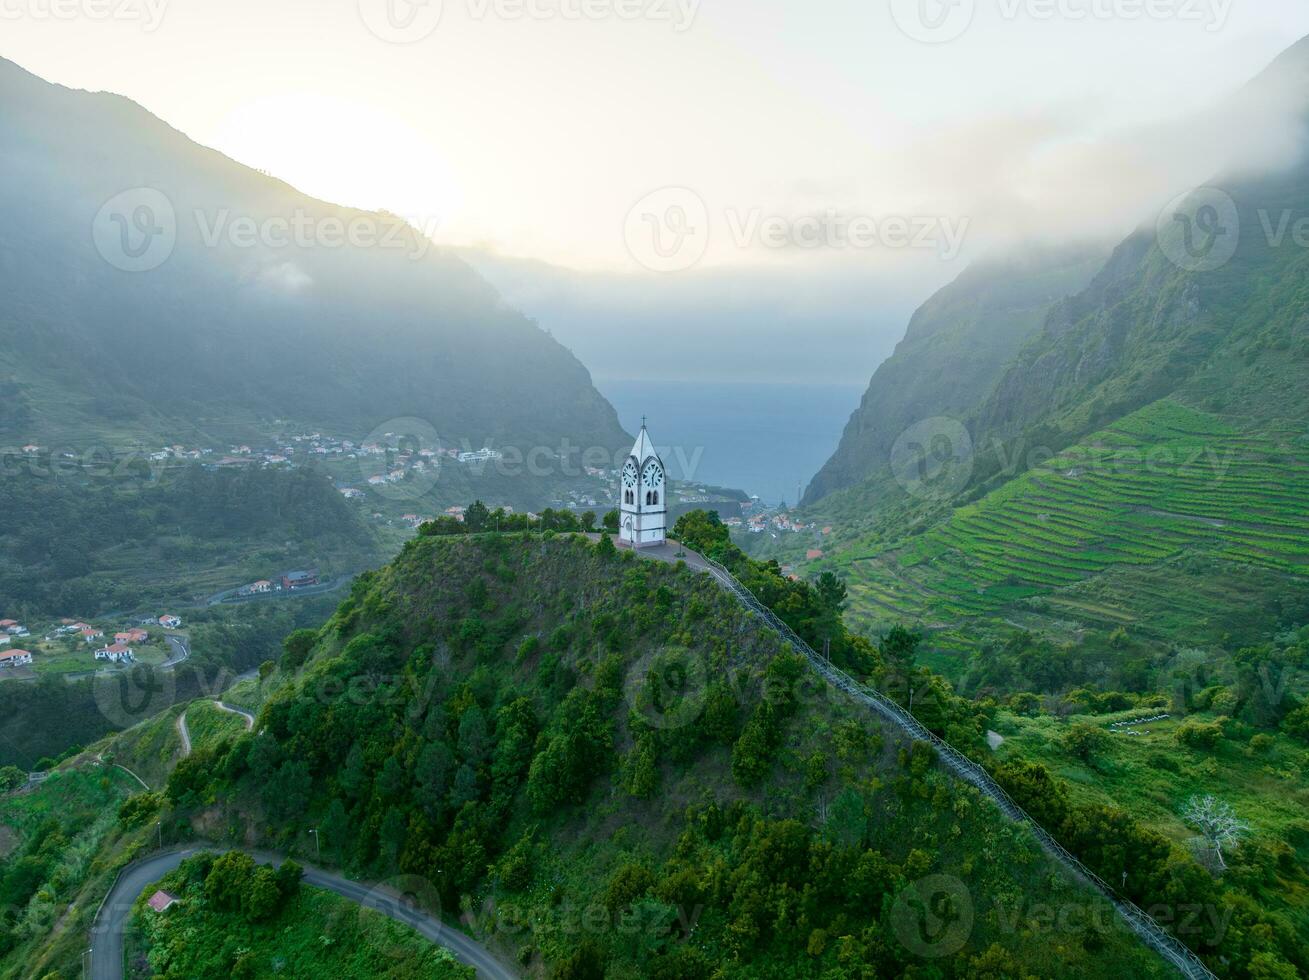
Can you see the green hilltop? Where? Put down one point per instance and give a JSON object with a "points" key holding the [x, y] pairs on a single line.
{"points": [[606, 766]]}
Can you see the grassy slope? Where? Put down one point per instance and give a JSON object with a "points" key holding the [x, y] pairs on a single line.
{"points": [[1152, 776], [68, 828], [211, 726], [314, 934], [876, 799]]}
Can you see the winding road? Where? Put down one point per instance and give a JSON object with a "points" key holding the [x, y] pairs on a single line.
{"points": [[107, 930], [232, 709], [179, 646], [184, 734]]}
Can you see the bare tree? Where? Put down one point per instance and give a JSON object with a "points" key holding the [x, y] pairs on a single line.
{"points": [[1217, 822]]}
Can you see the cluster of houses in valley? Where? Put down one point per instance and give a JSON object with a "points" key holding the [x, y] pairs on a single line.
{"points": [[9, 630], [772, 521], [121, 649], [286, 582]]}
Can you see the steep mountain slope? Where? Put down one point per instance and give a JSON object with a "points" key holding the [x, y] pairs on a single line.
{"points": [[1142, 461], [955, 349], [154, 288], [1212, 308], [606, 767]]}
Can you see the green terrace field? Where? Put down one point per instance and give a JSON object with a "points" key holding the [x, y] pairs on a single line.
{"points": [[1171, 519]]}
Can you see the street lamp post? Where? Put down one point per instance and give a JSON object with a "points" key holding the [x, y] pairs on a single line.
{"points": [[318, 849], [159, 826]]}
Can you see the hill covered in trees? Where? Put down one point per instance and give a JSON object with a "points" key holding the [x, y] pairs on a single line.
{"points": [[606, 767]]}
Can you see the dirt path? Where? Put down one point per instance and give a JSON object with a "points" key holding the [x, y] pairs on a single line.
{"points": [[185, 734]]}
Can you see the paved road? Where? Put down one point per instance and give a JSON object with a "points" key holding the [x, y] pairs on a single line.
{"points": [[232, 709], [107, 931], [179, 646]]}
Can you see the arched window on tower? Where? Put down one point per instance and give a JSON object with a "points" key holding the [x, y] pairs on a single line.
{"points": [[655, 497]]}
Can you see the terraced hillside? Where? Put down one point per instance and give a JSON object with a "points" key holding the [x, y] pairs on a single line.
{"points": [[1171, 520]]}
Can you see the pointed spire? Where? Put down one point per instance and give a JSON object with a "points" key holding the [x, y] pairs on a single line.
{"points": [[643, 448]]}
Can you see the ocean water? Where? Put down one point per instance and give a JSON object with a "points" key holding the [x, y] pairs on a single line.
{"points": [[764, 439]]}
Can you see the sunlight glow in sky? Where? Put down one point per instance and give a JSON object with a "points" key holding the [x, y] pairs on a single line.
{"points": [[528, 128]]}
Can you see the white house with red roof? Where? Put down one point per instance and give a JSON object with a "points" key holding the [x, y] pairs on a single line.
{"points": [[116, 653], [90, 633], [14, 658], [169, 622]]}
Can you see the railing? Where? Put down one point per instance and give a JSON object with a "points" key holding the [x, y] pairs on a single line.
{"points": [[1150, 932]]}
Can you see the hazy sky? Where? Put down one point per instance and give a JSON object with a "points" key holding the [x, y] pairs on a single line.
{"points": [[770, 187], [535, 126]]}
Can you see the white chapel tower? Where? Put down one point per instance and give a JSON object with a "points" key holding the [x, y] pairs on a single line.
{"points": [[643, 505]]}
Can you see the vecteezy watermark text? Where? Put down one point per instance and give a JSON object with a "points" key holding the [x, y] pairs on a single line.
{"points": [[669, 230], [940, 21], [137, 230], [409, 21], [148, 13]]}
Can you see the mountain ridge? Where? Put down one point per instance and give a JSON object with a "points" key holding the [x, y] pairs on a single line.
{"points": [[344, 337]]}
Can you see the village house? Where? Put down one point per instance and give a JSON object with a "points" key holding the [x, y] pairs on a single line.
{"points": [[162, 901], [14, 658], [115, 653], [169, 622], [90, 634], [298, 580], [137, 635], [263, 585]]}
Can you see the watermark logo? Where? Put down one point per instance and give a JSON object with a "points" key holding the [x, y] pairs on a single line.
{"points": [[136, 231], [933, 917], [933, 459], [401, 459], [408, 899], [127, 696], [401, 21], [933, 21], [667, 688], [1200, 230], [668, 229], [940, 21]]}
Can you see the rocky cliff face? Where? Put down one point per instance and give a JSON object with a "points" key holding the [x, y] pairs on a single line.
{"points": [[956, 346]]}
